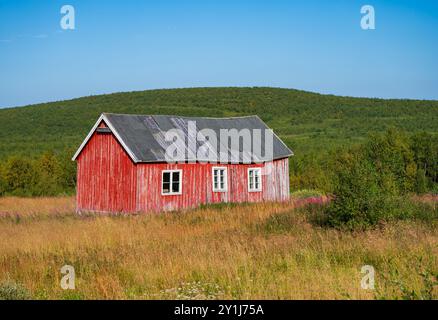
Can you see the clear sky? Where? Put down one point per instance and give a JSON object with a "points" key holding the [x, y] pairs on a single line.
{"points": [[136, 45]]}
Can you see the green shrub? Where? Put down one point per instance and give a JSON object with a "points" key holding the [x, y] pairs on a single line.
{"points": [[426, 291], [10, 290], [2, 181], [19, 176], [358, 200], [306, 193], [372, 182], [415, 210]]}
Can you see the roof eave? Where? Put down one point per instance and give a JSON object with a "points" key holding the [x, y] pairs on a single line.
{"points": [[291, 152], [104, 118]]}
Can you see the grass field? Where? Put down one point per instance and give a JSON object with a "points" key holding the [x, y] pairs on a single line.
{"points": [[258, 251]]}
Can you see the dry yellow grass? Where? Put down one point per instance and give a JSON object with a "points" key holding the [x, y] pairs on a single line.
{"points": [[233, 252]]}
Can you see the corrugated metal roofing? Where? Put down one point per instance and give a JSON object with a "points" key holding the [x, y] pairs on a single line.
{"points": [[144, 135]]}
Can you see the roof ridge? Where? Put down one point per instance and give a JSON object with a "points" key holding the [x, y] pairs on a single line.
{"points": [[177, 116]]}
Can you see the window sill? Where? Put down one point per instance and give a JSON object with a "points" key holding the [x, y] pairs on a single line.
{"points": [[172, 194]]}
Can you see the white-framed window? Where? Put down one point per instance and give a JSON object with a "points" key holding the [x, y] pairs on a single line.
{"points": [[220, 179], [254, 179], [171, 182]]}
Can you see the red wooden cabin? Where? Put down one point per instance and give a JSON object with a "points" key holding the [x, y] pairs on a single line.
{"points": [[121, 167]]}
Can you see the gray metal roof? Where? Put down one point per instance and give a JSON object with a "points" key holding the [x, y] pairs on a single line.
{"points": [[143, 136]]}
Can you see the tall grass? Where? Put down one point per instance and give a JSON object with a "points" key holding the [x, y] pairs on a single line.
{"points": [[254, 251]]}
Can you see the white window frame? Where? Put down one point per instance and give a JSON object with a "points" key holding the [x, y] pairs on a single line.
{"points": [[171, 193], [259, 170], [225, 189]]}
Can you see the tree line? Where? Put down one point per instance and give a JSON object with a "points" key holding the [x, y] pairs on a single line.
{"points": [[49, 174], [383, 166]]}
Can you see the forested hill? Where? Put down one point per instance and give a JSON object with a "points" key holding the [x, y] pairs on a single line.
{"points": [[308, 122]]}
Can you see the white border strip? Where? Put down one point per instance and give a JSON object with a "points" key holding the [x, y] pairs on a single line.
{"points": [[284, 144]]}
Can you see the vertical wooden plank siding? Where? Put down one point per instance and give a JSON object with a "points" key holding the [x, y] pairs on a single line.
{"points": [[197, 185], [109, 181], [106, 177]]}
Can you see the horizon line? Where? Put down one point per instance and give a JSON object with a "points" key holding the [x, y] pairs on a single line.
{"points": [[210, 87]]}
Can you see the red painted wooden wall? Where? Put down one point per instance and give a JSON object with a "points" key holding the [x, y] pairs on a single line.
{"points": [[106, 177], [108, 181], [197, 185]]}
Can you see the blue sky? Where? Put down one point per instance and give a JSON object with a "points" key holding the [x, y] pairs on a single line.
{"points": [[136, 45]]}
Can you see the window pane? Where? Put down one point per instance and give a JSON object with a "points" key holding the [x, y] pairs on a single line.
{"points": [[175, 186], [166, 177], [257, 176], [166, 187], [175, 182], [215, 179]]}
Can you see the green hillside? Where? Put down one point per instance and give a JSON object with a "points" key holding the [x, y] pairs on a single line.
{"points": [[308, 122], [38, 141]]}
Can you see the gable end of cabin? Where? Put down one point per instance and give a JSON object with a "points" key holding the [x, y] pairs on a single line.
{"points": [[106, 175]]}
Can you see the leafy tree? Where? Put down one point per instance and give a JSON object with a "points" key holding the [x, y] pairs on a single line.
{"points": [[2, 181], [47, 180], [19, 176], [425, 149], [370, 179], [393, 160], [359, 200], [66, 170]]}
